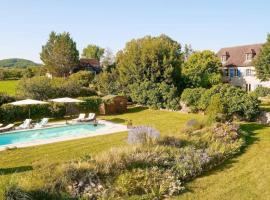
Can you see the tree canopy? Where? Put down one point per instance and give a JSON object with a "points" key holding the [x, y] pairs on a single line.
{"points": [[108, 60], [152, 64], [93, 51], [202, 69], [60, 54], [262, 62], [157, 59]]}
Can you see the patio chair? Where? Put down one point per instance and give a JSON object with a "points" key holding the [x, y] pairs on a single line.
{"points": [[80, 118], [26, 124], [91, 117], [7, 128], [42, 123]]}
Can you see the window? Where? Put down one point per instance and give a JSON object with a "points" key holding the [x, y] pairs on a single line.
{"points": [[259, 85], [249, 72], [235, 72], [248, 87], [223, 58], [249, 56]]}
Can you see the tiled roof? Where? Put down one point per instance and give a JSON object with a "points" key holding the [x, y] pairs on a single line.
{"points": [[92, 62], [236, 56]]}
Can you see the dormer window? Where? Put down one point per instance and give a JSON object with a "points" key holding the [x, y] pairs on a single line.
{"points": [[249, 57], [225, 57]]}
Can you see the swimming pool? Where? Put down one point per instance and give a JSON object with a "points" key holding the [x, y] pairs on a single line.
{"points": [[56, 133]]}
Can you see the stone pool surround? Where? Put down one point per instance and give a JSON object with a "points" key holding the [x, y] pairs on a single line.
{"points": [[109, 128]]}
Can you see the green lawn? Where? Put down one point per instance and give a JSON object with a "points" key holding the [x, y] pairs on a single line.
{"points": [[8, 87], [247, 176], [244, 177], [28, 165]]}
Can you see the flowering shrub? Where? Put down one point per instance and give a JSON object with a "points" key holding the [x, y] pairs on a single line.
{"points": [[190, 162], [154, 171], [80, 181], [142, 135], [158, 183]]}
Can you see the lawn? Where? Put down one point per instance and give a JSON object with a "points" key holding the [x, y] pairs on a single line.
{"points": [[244, 177], [28, 165], [8, 87], [247, 176]]}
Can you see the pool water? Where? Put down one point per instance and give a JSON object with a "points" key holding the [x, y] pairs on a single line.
{"points": [[34, 135]]}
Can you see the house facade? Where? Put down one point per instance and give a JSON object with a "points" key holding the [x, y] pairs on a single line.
{"points": [[237, 66], [92, 65]]}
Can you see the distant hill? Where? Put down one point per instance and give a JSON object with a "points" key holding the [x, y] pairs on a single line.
{"points": [[17, 62]]}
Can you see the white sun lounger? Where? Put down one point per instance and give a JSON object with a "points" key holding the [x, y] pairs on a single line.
{"points": [[90, 117], [42, 123], [80, 118], [7, 128], [25, 124]]}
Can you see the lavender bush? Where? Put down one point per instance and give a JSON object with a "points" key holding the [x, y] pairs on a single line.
{"points": [[143, 135], [155, 171]]}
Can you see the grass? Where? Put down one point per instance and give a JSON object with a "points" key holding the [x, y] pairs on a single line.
{"points": [[8, 87], [246, 176], [28, 165], [243, 177]]}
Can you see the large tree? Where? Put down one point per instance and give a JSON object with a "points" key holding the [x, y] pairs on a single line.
{"points": [[108, 60], [262, 62], [202, 69], [152, 63], [60, 54], [93, 51]]}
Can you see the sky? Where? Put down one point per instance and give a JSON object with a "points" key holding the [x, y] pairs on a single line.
{"points": [[205, 24]]}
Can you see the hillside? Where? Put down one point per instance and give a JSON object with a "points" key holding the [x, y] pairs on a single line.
{"points": [[17, 62]]}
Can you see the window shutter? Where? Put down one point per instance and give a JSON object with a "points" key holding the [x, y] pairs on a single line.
{"points": [[238, 72], [231, 72]]}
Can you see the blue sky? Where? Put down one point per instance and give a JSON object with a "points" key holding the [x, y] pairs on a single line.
{"points": [[206, 24]]}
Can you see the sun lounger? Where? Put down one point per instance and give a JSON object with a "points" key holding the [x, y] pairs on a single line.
{"points": [[80, 118], [7, 128], [26, 124], [91, 117], [42, 123]]}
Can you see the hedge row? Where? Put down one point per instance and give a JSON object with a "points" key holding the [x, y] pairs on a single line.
{"points": [[10, 113], [223, 99]]}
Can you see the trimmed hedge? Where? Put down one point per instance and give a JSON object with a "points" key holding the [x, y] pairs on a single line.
{"points": [[234, 101], [90, 104], [45, 88], [10, 113], [5, 98]]}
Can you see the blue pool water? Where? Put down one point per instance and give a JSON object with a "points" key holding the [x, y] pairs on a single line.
{"points": [[47, 133]]}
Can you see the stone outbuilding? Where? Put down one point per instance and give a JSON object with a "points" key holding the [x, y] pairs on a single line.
{"points": [[113, 104]]}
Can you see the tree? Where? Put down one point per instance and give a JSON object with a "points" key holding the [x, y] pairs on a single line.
{"points": [[187, 51], [147, 62], [107, 82], [93, 51], [108, 60], [59, 54], [262, 62], [202, 69], [150, 58]]}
